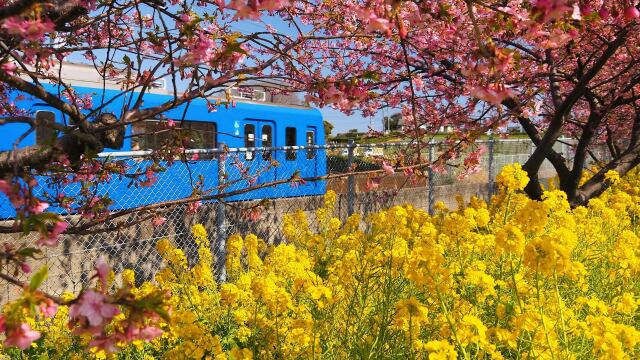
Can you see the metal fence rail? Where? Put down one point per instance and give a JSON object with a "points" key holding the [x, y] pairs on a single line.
{"points": [[349, 167]]}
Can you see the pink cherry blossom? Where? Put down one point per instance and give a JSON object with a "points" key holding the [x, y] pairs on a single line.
{"points": [[631, 13], [388, 169], [604, 13], [186, 18], [21, 337], [39, 207], [332, 95], [31, 30], [151, 177], [89, 55], [149, 333], [243, 10], [48, 308], [491, 94], [373, 21], [5, 187], [9, 67], [51, 239], [92, 310], [86, 102], [14, 193], [251, 9], [379, 24], [35, 30], [372, 183], [254, 213], [193, 207], [132, 332], [108, 343], [158, 220], [201, 50], [14, 25], [102, 271], [551, 9], [146, 333]]}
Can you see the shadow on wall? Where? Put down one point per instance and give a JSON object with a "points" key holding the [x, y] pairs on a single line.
{"points": [[133, 247]]}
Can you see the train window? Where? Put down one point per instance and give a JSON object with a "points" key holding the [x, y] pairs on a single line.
{"points": [[45, 133], [267, 141], [152, 135], [148, 135], [249, 140], [290, 140], [198, 135], [311, 141]]}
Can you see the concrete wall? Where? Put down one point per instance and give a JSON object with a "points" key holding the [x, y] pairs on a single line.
{"points": [[71, 263]]}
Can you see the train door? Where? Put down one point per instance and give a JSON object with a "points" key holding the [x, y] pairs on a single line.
{"points": [[302, 162], [258, 133], [309, 163], [267, 134]]}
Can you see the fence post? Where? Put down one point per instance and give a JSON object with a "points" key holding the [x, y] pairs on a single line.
{"points": [[351, 185], [221, 241], [491, 142], [431, 177]]}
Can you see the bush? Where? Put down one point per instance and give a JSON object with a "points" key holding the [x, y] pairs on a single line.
{"points": [[514, 279]]}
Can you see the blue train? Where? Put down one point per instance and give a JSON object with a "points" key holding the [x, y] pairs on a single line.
{"points": [[246, 125]]}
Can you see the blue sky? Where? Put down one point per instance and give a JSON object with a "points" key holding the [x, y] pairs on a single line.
{"points": [[342, 122]]}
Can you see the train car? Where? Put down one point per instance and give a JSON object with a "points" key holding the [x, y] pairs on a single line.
{"points": [[248, 125]]}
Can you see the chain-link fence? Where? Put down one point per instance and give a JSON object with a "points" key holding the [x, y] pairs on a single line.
{"points": [[296, 178]]}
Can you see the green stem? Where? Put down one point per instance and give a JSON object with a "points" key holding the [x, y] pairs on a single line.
{"points": [[410, 336], [450, 322], [564, 331], [541, 311], [506, 209], [515, 286]]}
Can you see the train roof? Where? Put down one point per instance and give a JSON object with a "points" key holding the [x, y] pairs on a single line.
{"points": [[86, 76], [244, 108]]}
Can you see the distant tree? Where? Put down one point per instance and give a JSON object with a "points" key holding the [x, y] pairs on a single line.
{"points": [[393, 122], [328, 127]]}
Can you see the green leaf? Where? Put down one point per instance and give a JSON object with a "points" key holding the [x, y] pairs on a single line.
{"points": [[234, 47], [29, 252], [370, 75], [163, 314], [38, 278]]}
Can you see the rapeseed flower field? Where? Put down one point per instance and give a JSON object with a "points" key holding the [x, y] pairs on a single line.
{"points": [[512, 279]]}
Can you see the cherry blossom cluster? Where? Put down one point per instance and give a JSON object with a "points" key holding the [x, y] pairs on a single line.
{"points": [[95, 310], [111, 318]]}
